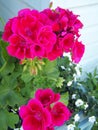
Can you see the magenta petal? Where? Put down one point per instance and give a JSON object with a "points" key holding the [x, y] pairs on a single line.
{"points": [[46, 96], [38, 93], [77, 51], [30, 123], [35, 105], [24, 12], [7, 30], [12, 50], [60, 113], [68, 42], [38, 50], [24, 111], [35, 116], [56, 97], [47, 117], [20, 54]]}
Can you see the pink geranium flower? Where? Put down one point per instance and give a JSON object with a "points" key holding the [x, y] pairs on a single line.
{"points": [[47, 38], [77, 51], [39, 114], [57, 51], [60, 113], [77, 26], [24, 12], [46, 96], [52, 15], [50, 128], [68, 42], [19, 47], [28, 27], [34, 116], [51, 33], [38, 50], [7, 30]]}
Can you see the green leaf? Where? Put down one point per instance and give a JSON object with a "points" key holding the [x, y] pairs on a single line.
{"points": [[65, 98], [3, 120], [50, 70], [27, 89], [9, 81], [12, 119], [64, 61], [3, 46], [7, 68], [8, 119], [59, 82], [26, 77]]}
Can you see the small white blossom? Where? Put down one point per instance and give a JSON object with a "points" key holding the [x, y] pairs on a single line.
{"points": [[74, 96], [19, 128], [69, 69], [70, 127], [69, 83], [79, 103], [92, 119], [75, 77], [77, 70], [93, 97], [76, 118], [85, 106], [62, 67]]}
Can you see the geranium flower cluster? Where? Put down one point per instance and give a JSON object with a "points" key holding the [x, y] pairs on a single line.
{"points": [[44, 111], [45, 34]]}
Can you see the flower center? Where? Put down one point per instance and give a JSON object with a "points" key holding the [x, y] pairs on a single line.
{"points": [[28, 32], [38, 115], [37, 48]]}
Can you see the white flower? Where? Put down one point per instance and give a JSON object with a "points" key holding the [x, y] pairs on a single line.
{"points": [[85, 106], [92, 119], [93, 97], [69, 83], [70, 127], [76, 118], [75, 77], [19, 128], [79, 103], [62, 67], [74, 96], [77, 70]]}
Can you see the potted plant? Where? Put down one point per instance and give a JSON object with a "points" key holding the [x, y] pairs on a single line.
{"points": [[38, 58]]}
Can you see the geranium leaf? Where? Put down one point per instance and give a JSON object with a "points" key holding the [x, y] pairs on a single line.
{"points": [[3, 46], [12, 119], [3, 120], [26, 77], [64, 98], [7, 68], [8, 119]]}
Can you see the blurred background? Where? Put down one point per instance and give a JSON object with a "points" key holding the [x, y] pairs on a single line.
{"points": [[88, 11]]}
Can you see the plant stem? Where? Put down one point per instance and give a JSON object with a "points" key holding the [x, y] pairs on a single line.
{"points": [[2, 21]]}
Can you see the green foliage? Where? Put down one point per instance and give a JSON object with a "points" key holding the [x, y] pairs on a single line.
{"points": [[10, 84], [65, 98], [91, 83], [86, 90], [18, 82], [8, 119], [67, 70]]}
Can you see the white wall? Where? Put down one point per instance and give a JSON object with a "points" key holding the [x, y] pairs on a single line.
{"points": [[9, 8], [88, 11]]}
